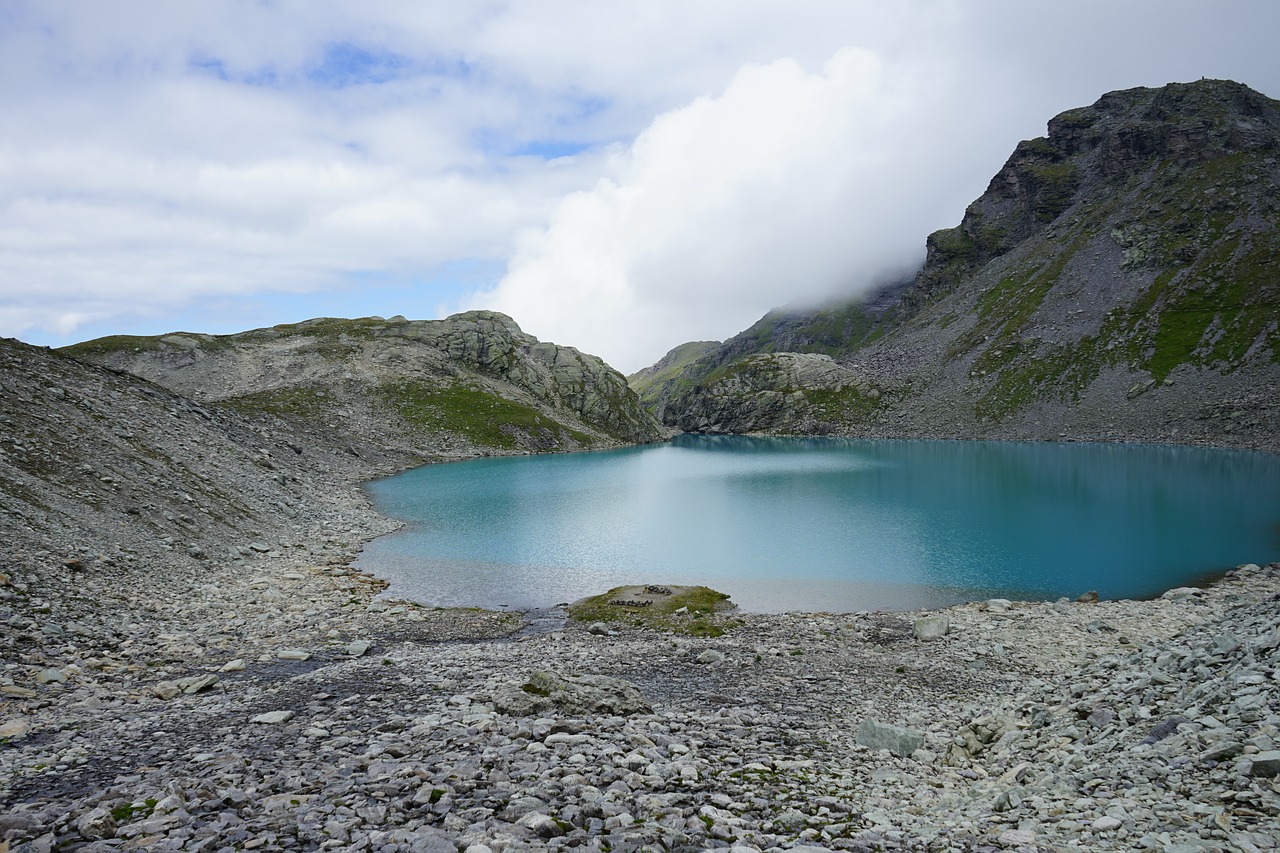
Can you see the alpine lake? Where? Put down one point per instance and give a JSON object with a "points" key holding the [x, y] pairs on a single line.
{"points": [[827, 525]]}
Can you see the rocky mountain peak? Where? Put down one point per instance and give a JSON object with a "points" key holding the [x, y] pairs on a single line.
{"points": [[1116, 279], [1087, 152]]}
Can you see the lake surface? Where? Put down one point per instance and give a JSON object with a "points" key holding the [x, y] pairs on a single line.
{"points": [[828, 524]]}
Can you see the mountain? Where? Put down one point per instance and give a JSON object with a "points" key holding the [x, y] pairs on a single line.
{"points": [[1116, 280], [471, 383], [107, 473], [656, 383]]}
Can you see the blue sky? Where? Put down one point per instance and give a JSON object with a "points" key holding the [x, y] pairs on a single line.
{"points": [[618, 177]]}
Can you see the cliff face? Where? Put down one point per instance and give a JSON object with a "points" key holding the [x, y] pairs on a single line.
{"points": [[1116, 280], [470, 383]]}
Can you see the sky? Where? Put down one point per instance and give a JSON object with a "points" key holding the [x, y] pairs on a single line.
{"points": [[619, 177]]}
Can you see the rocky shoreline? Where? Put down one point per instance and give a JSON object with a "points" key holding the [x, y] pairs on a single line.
{"points": [[277, 702]]}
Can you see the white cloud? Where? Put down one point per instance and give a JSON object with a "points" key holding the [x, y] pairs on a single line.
{"points": [[159, 158], [790, 185]]}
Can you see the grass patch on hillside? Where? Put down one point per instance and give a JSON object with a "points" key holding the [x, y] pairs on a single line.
{"points": [[847, 404], [482, 417], [113, 344], [693, 610], [1054, 187], [298, 401]]}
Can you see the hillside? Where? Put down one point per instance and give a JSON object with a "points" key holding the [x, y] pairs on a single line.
{"points": [[655, 384], [471, 383], [1115, 281]]}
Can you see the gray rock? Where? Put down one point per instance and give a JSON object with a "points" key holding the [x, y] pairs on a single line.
{"points": [[273, 717], [710, 656], [541, 825], [14, 729], [931, 627], [1266, 764], [521, 806], [356, 648], [293, 654], [1222, 751], [899, 741], [50, 676], [166, 690], [96, 824], [599, 629], [197, 683], [1017, 838], [597, 694]]}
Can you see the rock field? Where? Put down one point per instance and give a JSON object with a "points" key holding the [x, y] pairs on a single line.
{"points": [[284, 706], [188, 662]]}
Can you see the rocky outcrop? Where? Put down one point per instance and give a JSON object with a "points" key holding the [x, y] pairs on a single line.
{"points": [[778, 392], [1112, 283], [470, 383]]}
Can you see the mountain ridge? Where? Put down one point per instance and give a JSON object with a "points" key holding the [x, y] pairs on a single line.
{"points": [[1112, 283], [468, 384]]}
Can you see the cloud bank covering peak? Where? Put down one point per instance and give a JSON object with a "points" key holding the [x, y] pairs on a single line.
{"points": [[790, 186], [618, 177]]}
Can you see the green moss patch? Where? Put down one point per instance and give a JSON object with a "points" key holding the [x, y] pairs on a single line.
{"points": [[113, 344], [694, 610], [481, 416], [302, 401]]}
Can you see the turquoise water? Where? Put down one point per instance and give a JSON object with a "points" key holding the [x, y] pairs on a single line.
{"points": [[828, 524]]}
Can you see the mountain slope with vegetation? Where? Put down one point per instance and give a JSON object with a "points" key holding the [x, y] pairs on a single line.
{"points": [[471, 383], [1115, 281]]}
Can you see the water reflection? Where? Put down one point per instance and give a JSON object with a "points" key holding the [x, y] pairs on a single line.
{"points": [[828, 524]]}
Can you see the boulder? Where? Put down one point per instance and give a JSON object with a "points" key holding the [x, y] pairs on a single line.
{"points": [[582, 694], [50, 676], [899, 741], [14, 729], [197, 683], [1266, 764], [931, 627]]}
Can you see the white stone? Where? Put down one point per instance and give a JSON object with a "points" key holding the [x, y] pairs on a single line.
{"points": [[274, 717]]}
